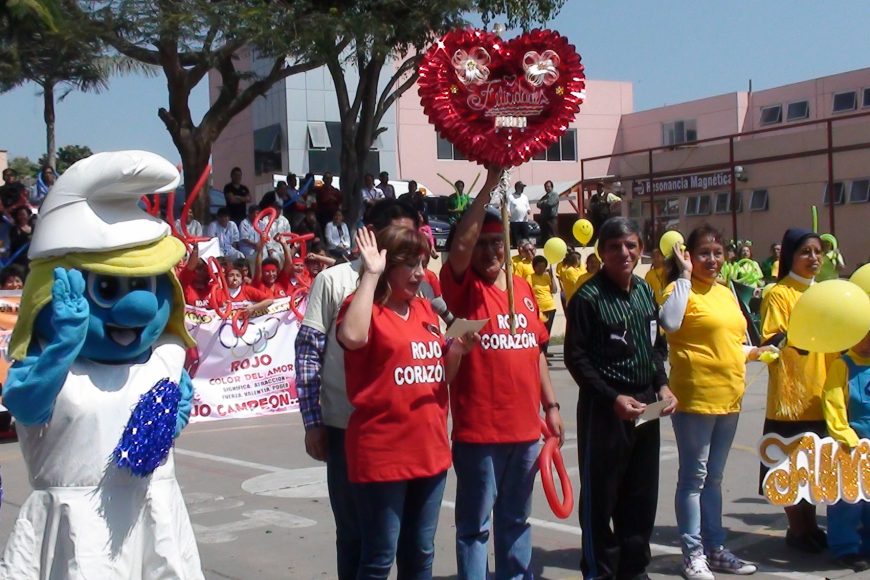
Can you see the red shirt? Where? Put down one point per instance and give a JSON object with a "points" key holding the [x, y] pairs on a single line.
{"points": [[398, 389], [247, 294], [496, 395], [276, 290], [329, 199], [433, 281], [199, 297]]}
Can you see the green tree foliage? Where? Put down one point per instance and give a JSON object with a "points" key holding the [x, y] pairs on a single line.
{"points": [[59, 55], [186, 39], [67, 155], [23, 166]]}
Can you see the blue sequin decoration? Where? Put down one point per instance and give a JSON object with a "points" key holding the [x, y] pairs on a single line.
{"points": [[149, 433]]}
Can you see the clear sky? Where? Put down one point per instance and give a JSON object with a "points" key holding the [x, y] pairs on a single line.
{"points": [[672, 50]]}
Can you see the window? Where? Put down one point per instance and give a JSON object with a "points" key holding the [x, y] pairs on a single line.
{"points": [[318, 136], [704, 204], [758, 200], [563, 150], [329, 159], [845, 102], [679, 132], [865, 101], [839, 194], [797, 111], [691, 205], [267, 149], [723, 202], [447, 151], [860, 192], [635, 210], [668, 207], [771, 115]]}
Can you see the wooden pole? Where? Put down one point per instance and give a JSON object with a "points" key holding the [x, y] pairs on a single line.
{"points": [[503, 184]]}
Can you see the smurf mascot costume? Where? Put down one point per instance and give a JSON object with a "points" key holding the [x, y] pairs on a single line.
{"points": [[98, 386]]}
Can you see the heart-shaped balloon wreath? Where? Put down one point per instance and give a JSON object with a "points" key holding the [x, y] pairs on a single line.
{"points": [[501, 102]]}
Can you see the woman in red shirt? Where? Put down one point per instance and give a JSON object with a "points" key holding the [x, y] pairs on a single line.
{"points": [[398, 366]]}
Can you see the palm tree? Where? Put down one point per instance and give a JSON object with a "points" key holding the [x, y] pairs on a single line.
{"points": [[60, 56]]}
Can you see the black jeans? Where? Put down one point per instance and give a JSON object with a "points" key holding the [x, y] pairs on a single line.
{"points": [[348, 537], [619, 477]]}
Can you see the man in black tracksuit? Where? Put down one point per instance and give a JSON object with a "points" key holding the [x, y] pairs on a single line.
{"points": [[615, 353]]}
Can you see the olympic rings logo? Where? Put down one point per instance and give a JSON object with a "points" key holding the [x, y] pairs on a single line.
{"points": [[253, 341]]}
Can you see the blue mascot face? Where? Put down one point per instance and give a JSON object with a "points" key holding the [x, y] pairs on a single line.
{"points": [[127, 315]]}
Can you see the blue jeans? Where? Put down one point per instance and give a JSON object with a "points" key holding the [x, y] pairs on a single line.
{"points": [[399, 522], [849, 528], [494, 479], [703, 442], [348, 538]]}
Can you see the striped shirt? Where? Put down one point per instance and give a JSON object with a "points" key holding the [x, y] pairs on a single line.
{"points": [[613, 346]]}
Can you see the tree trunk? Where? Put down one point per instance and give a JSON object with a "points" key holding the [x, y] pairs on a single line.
{"points": [[195, 153], [351, 182], [48, 116]]}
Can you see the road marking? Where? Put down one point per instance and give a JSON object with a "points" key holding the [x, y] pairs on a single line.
{"points": [[219, 533], [254, 519], [304, 483], [229, 460], [195, 431]]}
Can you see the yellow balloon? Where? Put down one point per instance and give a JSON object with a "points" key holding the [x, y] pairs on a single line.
{"points": [[830, 316], [861, 277], [555, 250], [582, 230], [669, 238]]}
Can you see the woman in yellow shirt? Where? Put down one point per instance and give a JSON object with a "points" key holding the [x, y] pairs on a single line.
{"points": [[795, 381], [657, 276], [706, 331], [569, 272], [544, 286]]}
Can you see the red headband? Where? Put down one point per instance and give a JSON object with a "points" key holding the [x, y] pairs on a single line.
{"points": [[492, 227], [298, 261], [270, 267]]}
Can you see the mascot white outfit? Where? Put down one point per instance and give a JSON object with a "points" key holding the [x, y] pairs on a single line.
{"points": [[98, 386]]}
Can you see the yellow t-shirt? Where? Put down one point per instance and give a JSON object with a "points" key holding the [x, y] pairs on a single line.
{"points": [[569, 278], [656, 280], [835, 399], [522, 268], [708, 366], [795, 380], [541, 287]]}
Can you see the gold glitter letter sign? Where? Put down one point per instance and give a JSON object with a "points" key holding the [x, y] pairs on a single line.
{"points": [[820, 471]]}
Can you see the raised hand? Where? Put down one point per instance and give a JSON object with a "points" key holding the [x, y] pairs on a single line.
{"points": [[68, 304], [374, 261], [683, 260]]}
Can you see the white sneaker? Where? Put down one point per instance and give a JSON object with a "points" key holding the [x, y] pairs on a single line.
{"points": [[695, 568], [722, 560]]}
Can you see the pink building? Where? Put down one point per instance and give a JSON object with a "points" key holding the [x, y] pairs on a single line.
{"points": [[780, 174]]}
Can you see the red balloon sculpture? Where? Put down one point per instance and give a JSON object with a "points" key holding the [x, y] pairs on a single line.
{"points": [[501, 102]]}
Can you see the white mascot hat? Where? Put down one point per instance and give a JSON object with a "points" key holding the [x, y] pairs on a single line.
{"points": [[93, 206]]}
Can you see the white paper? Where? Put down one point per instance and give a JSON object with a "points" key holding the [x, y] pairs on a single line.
{"points": [[461, 327], [652, 412]]}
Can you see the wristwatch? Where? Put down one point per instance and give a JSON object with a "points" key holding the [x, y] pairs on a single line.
{"points": [[552, 406]]}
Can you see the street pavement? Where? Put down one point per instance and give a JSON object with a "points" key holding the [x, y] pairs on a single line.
{"points": [[260, 510]]}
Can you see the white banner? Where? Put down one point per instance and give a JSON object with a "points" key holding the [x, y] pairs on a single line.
{"points": [[251, 375]]}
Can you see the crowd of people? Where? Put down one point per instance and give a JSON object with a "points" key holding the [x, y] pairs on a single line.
{"points": [[377, 375]]}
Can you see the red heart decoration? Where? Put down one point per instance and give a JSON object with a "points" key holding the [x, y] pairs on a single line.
{"points": [[501, 102]]}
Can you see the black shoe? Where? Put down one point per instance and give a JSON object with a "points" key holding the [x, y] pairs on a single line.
{"points": [[805, 542], [820, 536], [856, 562]]}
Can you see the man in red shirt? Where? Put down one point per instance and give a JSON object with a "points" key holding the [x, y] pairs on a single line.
{"points": [[195, 281], [496, 398], [329, 201]]}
